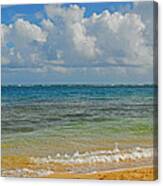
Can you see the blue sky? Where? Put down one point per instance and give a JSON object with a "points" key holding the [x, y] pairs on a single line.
{"points": [[77, 43], [29, 11]]}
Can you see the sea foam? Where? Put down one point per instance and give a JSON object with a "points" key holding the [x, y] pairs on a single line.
{"points": [[104, 156], [25, 172]]}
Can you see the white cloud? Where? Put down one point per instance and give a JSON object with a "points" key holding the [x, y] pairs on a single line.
{"points": [[28, 32], [145, 10], [85, 45], [60, 69], [47, 24], [105, 42], [5, 32], [20, 42], [56, 62], [120, 38]]}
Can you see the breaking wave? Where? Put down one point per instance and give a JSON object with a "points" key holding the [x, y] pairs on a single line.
{"points": [[106, 156]]}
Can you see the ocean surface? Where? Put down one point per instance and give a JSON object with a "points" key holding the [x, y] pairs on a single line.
{"points": [[77, 123]]}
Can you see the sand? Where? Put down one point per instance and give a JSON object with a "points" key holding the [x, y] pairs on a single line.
{"points": [[15, 162], [141, 173]]}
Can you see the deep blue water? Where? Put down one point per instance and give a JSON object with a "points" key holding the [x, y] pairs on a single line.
{"points": [[18, 94]]}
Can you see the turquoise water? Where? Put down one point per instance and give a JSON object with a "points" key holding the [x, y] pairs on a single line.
{"points": [[68, 118]]}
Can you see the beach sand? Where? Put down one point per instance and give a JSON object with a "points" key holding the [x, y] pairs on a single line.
{"points": [[141, 173], [23, 164]]}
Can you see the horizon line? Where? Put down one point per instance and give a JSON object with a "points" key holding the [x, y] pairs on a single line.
{"points": [[94, 84]]}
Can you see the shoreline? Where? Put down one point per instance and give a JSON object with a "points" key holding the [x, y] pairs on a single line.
{"points": [[21, 167], [145, 173]]}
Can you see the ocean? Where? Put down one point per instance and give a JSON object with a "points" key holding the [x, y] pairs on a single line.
{"points": [[79, 124]]}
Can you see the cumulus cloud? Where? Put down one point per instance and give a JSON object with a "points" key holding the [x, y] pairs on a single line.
{"points": [[28, 32], [66, 39], [120, 38], [145, 10]]}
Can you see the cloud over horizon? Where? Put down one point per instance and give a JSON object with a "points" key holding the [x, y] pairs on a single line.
{"points": [[67, 42]]}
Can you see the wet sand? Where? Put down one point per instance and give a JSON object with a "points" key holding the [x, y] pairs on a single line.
{"points": [[141, 173], [21, 167]]}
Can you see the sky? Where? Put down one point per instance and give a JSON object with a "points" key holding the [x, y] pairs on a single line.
{"points": [[88, 43]]}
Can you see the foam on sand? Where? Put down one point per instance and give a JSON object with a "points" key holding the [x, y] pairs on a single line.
{"points": [[25, 172]]}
